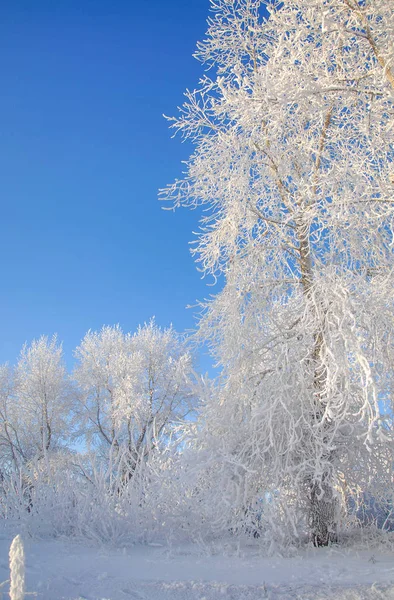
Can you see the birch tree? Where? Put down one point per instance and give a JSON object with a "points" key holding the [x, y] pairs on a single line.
{"points": [[293, 125]]}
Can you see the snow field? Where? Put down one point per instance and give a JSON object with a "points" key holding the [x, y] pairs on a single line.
{"points": [[61, 570]]}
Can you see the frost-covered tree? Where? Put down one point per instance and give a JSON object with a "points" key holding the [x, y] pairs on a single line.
{"points": [[11, 450], [35, 421], [43, 397], [133, 388], [35, 404], [294, 132]]}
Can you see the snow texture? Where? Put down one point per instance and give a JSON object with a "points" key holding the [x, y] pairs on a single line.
{"points": [[65, 571]]}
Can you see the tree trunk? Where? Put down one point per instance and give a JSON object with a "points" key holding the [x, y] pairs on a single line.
{"points": [[323, 512], [322, 502]]}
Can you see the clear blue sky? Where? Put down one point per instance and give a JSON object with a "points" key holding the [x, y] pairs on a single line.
{"points": [[84, 148]]}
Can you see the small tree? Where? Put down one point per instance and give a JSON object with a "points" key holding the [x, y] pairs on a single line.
{"points": [[43, 398], [12, 450], [294, 137], [133, 388], [35, 404]]}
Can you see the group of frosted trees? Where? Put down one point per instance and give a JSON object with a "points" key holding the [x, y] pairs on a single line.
{"points": [[293, 126], [124, 394], [94, 431]]}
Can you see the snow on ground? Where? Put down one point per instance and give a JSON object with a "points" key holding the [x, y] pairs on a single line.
{"points": [[61, 570]]}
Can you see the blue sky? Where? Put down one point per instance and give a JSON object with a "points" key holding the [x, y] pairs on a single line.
{"points": [[84, 149]]}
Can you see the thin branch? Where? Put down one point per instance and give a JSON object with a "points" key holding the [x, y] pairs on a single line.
{"points": [[368, 35]]}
